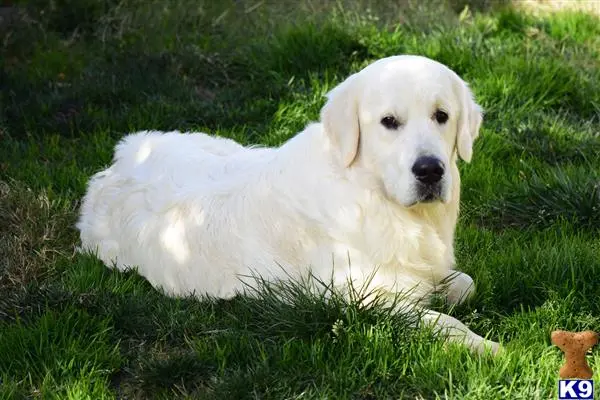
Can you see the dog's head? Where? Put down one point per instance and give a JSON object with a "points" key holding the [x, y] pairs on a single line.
{"points": [[403, 120]]}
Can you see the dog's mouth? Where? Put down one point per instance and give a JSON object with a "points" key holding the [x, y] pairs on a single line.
{"points": [[429, 193], [420, 194], [429, 198]]}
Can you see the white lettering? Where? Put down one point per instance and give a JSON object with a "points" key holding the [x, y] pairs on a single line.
{"points": [[566, 390]]}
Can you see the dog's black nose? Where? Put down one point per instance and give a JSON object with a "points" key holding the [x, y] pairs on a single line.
{"points": [[428, 169]]}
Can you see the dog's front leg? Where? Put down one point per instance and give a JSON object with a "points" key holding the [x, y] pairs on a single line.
{"points": [[458, 332]]}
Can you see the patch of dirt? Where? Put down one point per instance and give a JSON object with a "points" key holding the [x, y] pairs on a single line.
{"points": [[34, 232], [8, 16], [590, 6]]}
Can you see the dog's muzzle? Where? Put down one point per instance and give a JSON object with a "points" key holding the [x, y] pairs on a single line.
{"points": [[428, 172]]}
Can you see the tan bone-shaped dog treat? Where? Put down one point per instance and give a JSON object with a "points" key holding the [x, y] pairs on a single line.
{"points": [[575, 345]]}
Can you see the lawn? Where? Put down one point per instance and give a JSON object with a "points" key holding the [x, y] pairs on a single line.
{"points": [[75, 76]]}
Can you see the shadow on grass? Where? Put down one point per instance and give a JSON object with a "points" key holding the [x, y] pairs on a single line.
{"points": [[73, 87], [167, 344]]}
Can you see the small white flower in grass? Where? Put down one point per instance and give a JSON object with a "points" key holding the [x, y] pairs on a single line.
{"points": [[337, 329]]}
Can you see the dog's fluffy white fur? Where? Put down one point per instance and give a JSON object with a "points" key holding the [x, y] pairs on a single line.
{"points": [[196, 213]]}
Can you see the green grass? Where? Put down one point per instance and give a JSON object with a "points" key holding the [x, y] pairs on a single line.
{"points": [[77, 75]]}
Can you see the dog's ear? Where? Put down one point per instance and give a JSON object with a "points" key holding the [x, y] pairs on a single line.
{"points": [[471, 116], [340, 119]]}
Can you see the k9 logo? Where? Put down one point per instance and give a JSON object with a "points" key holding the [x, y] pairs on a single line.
{"points": [[575, 389]]}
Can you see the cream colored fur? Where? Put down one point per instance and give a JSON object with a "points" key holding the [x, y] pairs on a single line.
{"points": [[196, 213]]}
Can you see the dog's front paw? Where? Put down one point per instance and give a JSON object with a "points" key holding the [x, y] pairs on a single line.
{"points": [[460, 287], [488, 346]]}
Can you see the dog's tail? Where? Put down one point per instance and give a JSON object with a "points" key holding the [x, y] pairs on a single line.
{"points": [[94, 226]]}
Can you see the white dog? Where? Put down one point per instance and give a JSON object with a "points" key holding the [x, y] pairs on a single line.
{"points": [[370, 194]]}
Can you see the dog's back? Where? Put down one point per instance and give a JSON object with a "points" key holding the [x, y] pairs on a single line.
{"points": [[159, 185]]}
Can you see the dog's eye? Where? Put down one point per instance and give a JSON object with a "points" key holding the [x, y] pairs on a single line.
{"points": [[440, 116], [390, 122]]}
